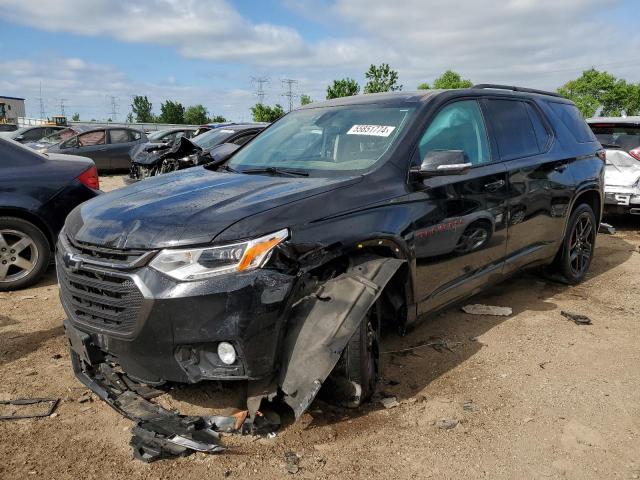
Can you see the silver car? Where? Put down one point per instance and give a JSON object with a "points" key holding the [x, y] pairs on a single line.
{"points": [[620, 136]]}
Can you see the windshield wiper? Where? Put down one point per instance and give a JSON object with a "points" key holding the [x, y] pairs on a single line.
{"points": [[276, 171]]}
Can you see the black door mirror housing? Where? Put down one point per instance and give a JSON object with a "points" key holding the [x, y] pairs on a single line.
{"points": [[442, 162]]}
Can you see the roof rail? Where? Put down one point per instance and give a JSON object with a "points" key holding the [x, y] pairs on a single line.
{"points": [[482, 86]]}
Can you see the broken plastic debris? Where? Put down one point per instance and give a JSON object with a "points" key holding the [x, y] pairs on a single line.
{"points": [[576, 317], [445, 424], [479, 309], [389, 402], [606, 228], [26, 409]]}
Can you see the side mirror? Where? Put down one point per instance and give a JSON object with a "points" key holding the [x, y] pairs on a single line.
{"points": [[442, 162]]}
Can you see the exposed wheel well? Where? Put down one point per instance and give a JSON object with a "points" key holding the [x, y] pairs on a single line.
{"points": [[31, 218]]}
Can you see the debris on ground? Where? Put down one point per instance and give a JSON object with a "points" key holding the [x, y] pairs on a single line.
{"points": [[28, 405], [607, 228], [577, 318], [389, 402], [469, 406], [542, 364], [479, 309], [438, 344], [445, 424], [291, 462]]}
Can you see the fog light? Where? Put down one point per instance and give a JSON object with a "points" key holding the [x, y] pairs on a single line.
{"points": [[227, 353]]}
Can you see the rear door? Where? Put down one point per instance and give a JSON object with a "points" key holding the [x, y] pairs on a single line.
{"points": [[541, 185], [460, 236], [120, 143]]}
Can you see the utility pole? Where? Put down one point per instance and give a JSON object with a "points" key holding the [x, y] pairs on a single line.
{"points": [[288, 85], [62, 100], [114, 107], [42, 115], [259, 83]]}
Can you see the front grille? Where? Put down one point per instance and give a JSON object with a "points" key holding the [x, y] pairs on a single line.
{"points": [[99, 299]]}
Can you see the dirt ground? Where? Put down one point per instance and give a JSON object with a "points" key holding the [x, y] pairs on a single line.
{"points": [[535, 395]]}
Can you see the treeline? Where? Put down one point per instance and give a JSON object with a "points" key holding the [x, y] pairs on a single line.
{"points": [[594, 92], [170, 112]]}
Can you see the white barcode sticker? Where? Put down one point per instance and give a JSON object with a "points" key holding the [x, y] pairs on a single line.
{"points": [[373, 130]]}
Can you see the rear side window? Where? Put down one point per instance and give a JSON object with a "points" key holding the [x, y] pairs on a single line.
{"points": [[542, 134], [571, 117], [119, 136], [513, 128]]}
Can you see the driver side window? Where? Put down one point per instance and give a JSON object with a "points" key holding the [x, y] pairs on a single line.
{"points": [[458, 126]]}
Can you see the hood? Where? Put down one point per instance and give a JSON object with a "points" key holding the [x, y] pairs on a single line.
{"points": [[186, 208], [622, 170]]}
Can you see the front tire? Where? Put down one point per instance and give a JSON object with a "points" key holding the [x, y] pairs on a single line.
{"points": [[576, 252], [355, 377], [24, 253]]}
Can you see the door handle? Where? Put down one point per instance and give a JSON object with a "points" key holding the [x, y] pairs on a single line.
{"points": [[494, 186]]}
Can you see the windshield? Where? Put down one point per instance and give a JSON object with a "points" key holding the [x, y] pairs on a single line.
{"points": [[342, 139], [214, 137], [627, 137], [158, 135]]}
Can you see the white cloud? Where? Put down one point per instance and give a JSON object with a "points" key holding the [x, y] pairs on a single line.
{"points": [[537, 43]]}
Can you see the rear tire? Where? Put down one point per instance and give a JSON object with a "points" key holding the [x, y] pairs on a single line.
{"points": [[24, 253], [354, 379], [575, 254]]}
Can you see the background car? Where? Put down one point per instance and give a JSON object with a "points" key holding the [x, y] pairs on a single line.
{"points": [[108, 146], [57, 137], [190, 152], [31, 134], [620, 136], [168, 135], [37, 192]]}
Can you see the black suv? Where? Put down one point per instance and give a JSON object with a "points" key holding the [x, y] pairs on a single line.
{"points": [[279, 264]]}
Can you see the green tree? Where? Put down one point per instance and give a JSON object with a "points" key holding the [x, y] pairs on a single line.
{"points": [[381, 79], [265, 113], [141, 108], [130, 118], [75, 117], [171, 112], [196, 115], [424, 86], [345, 87], [217, 119], [451, 79], [595, 89], [305, 99]]}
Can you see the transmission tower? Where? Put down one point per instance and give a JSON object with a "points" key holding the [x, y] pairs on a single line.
{"points": [[41, 100], [259, 83], [114, 107], [288, 84], [62, 100]]}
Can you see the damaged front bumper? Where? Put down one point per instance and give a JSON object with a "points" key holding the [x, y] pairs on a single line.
{"points": [[622, 199], [161, 330]]}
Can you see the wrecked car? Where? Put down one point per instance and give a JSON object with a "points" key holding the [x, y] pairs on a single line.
{"points": [[620, 136], [279, 266], [156, 159]]}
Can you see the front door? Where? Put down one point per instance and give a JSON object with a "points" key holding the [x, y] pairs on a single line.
{"points": [[460, 236], [93, 144]]}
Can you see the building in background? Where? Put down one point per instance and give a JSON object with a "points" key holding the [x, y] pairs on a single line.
{"points": [[10, 109]]}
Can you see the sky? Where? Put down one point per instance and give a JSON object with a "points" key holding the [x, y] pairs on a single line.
{"points": [[89, 54]]}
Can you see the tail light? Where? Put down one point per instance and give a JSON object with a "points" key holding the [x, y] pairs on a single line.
{"points": [[90, 178], [635, 153]]}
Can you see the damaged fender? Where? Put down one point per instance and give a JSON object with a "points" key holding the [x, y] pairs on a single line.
{"points": [[322, 324]]}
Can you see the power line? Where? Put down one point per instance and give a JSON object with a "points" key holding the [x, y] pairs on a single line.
{"points": [[259, 83], [288, 84]]}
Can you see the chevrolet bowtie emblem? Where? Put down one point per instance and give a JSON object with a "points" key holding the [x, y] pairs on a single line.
{"points": [[72, 262]]}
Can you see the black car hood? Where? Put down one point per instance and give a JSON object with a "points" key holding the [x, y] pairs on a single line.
{"points": [[186, 208]]}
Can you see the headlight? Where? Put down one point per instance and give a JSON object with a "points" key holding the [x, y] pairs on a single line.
{"points": [[199, 263]]}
